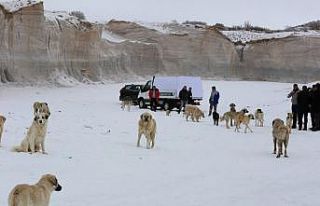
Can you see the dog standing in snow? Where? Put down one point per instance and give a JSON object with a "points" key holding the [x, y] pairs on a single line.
{"points": [[34, 195], [259, 118], [280, 133], [147, 127]]}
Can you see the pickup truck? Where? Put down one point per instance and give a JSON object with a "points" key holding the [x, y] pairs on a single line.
{"points": [[130, 92], [169, 88]]}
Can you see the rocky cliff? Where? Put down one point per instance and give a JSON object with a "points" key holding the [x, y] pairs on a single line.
{"points": [[38, 46]]}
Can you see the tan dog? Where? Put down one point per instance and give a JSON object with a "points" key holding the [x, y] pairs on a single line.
{"points": [[194, 112], [280, 133], [34, 195], [228, 117], [126, 103], [243, 119], [34, 140], [259, 118], [2, 121], [147, 127], [289, 121], [239, 118], [41, 107]]}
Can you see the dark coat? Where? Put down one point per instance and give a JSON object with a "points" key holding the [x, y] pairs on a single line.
{"points": [[184, 94], [214, 98], [189, 96], [315, 101], [303, 100]]}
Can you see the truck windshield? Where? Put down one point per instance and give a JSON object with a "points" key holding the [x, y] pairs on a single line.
{"points": [[147, 86]]}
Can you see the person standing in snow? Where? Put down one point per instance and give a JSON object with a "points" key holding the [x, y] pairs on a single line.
{"points": [[184, 97], [315, 107], [294, 107], [190, 101], [303, 100], [154, 95], [213, 100]]}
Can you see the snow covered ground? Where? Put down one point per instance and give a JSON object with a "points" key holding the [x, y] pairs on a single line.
{"points": [[92, 149]]}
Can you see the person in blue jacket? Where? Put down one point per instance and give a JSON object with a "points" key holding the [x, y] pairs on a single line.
{"points": [[213, 100]]}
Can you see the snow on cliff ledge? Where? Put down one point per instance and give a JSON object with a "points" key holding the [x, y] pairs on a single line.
{"points": [[16, 5], [248, 36]]}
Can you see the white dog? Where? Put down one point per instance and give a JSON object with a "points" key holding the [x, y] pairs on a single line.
{"points": [[34, 141], [34, 195], [259, 118]]}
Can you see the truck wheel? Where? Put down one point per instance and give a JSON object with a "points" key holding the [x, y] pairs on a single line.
{"points": [[141, 103], [166, 106]]}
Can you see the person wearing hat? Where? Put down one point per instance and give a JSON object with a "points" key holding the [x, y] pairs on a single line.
{"points": [[213, 100], [294, 106]]}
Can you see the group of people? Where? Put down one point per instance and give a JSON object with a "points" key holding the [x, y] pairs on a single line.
{"points": [[305, 101], [185, 96]]}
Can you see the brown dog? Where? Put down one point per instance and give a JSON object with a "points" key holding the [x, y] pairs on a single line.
{"points": [[241, 117], [228, 117], [147, 127], [34, 195], [2, 121], [280, 133], [194, 112], [244, 119], [289, 121]]}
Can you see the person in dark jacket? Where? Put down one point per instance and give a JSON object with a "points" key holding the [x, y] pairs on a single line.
{"points": [[213, 100], [190, 101], [312, 91], [154, 95], [303, 100], [315, 107], [294, 107], [184, 97]]}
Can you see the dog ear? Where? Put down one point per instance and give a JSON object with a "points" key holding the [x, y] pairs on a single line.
{"points": [[53, 180], [141, 116], [46, 116]]}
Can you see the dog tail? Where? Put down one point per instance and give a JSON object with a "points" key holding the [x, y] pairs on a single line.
{"points": [[17, 149]]}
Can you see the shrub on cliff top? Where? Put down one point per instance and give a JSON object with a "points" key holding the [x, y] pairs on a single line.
{"points": [[79, 14]]}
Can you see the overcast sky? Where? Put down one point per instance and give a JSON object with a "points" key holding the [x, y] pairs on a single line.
{"points": [[276, 14]]}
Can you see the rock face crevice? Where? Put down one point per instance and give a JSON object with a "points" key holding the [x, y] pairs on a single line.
{"points": [[44, 47]]}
